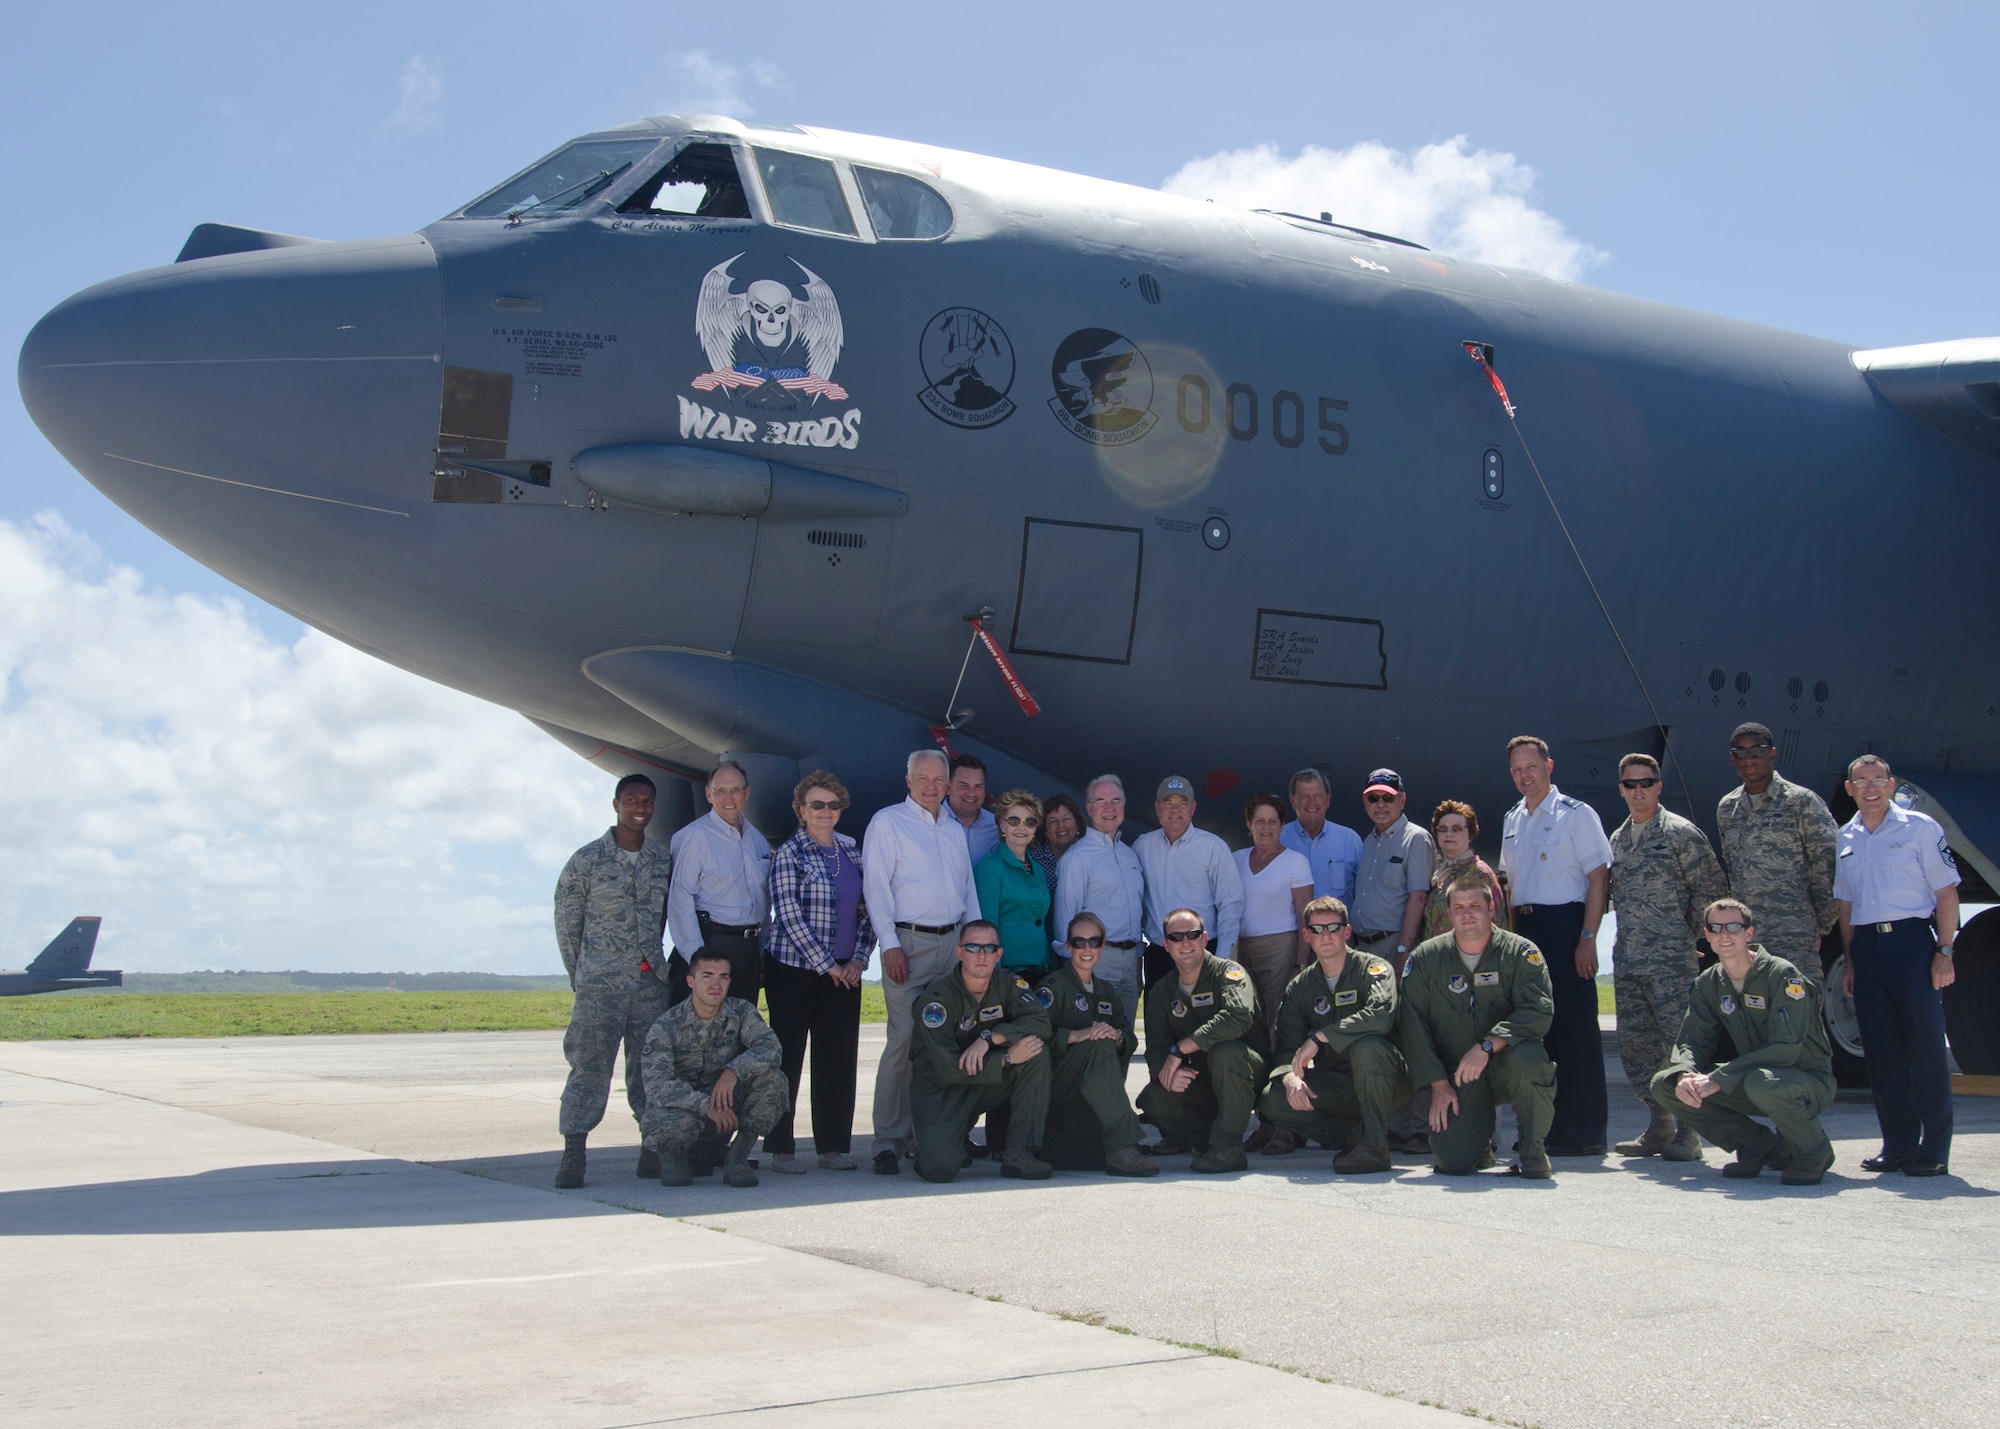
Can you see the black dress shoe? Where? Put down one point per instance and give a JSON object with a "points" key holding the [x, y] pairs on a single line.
{"points": [[887, 1163], [1885, 1162], [1915, 1167]]}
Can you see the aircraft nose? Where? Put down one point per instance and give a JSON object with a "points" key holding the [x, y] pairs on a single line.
{"points": [[225, 400]]}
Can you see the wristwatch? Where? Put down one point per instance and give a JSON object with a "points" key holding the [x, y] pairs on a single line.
{"points": [[1945, 948], [1486, 1045], [1402, 947], [986, 1035]]}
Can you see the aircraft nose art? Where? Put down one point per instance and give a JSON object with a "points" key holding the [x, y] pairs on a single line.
{"points": [[259, 410]]}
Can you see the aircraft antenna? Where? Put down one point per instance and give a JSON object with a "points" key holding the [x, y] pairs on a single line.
{"points": [[1482, 353], [965, 664]]}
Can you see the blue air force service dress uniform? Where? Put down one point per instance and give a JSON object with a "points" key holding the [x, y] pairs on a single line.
{"points": [[1889, 879]]}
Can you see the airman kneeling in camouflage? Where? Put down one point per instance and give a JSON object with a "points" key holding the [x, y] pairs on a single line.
{"points": [[1783, 1067], [714, 1068], [1476, 1002], [979, 1043], [1205, 1076], [1340, 1072], [1091, 1125]]}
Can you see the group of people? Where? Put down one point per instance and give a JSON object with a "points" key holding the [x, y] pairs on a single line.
{"points": [[1376, 995]]}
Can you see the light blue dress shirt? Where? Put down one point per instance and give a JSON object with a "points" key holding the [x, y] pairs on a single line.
{"points": [[1197, 871], [1334, 857]]}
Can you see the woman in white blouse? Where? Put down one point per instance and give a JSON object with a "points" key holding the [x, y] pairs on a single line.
{"points": [[1277, 885]]}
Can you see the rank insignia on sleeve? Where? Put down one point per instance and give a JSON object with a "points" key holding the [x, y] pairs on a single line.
{"points": [[1045, 997], [1728, 1005], [1322, 1007], [1795, 987], [934, 1014]]}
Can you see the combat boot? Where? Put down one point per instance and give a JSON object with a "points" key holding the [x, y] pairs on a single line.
{"points": [[1024, 1165], [1686, 1145], [674, 1168], [1748, 1163], [736, 1166], [1219, 1159], [1534, 1168], [1126, 1161], [649, 1164], [569, 1175], [1809, 1173], [1657, 1137], [1364, 1160]]}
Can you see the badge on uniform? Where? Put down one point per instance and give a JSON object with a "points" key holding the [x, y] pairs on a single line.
{"points": [[1377, 969], [1103, 1009], [1235, 974], [1728, 1004], [992, 1014], [1457, 983], [1795, 987], [1021, 983], [1490, 979], [1347, 998], [1204, 999], [1045, 997], [934, 1014], [1756, 1000], [1082, 1003], [1535, 956], [965, 1023], [1179, 1009], [1322, 1007]]}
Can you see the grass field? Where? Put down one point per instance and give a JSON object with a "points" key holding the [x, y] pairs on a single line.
{"points": [[55, 1016]]}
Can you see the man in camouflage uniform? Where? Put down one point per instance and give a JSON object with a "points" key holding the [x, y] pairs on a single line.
{"points": [[714, 1068], [1778, 850], [611, 909], [1340, 1073], [1663, 873], [1205, 1076]]}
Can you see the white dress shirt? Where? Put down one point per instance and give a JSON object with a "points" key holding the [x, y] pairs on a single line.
{"points": [[720, 871], [1548, 855], [1194, 871], [1100, 874], [915, 869]]}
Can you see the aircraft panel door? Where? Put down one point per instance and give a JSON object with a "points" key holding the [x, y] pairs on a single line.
{"points": [[818, 581], [1079, 595]]}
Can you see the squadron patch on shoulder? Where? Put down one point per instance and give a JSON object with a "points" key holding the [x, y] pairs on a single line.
{"points": [[1378, 969], [1021, 983], [1045, 997], [1322, 1006], [1346, 998], [1756, 1000], [934, 1014], [1535, 956], [1235, 974], [1795, 987], [1728, 1005]]}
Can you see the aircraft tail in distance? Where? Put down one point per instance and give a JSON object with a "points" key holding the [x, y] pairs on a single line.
{"points": [[68, 953]]}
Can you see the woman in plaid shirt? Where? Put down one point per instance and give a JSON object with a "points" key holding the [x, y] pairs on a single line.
{"points": [[816, 947]]}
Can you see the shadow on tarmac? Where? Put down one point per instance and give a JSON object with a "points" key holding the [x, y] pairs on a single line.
{"points": [[1687, 1177], [322, 1195]]}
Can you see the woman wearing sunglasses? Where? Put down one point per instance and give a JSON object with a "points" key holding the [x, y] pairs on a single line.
{"points": [[1013, 895]]}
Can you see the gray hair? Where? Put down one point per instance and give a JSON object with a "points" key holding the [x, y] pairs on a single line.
{"points": [[728, 764], [1112, 779], [910, 764], [1309, 775]]}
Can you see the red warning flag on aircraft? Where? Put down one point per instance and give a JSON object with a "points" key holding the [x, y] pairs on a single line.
{"points": [[942, 734], [1020, 691], [1482, 353]]}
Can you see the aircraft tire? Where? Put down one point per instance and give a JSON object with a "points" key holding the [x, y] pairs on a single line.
{"points": [[1843, 1029], [1972, 1002]]}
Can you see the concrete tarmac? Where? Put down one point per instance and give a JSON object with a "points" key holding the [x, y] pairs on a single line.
{"points": [[268, 1229]]}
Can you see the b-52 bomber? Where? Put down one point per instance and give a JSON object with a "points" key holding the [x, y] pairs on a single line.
{"points": [[64, 965], [700, 436]]}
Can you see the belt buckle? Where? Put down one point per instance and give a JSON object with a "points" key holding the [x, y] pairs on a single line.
{"points": [[1885, 927], [1524, 907]]}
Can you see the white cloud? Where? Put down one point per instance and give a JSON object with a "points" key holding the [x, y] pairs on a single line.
{"points": [[421, 100], [703, 84], [225, 799], [1473, 203]]}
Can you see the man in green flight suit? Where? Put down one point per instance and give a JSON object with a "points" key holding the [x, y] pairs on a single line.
{"points": [[1783, 1067], [1091, 1126], [1204, 1075], [1338, 1062], [979, 1043], [1476, 1002]]}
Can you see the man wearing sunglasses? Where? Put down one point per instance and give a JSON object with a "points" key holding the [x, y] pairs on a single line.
{"points": [[979, 1044], [1338, 1064], [1777, 848], [1663, 873], [1897, 891], [1394, 881], [1204, 1075], [1090, 1124], [1783, 1067]]}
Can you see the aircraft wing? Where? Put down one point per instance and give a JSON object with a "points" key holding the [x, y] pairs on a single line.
{"points": [[1953, 386]]}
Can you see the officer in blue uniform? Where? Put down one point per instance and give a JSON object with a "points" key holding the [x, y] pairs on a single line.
{"points": [[1896, 887]]}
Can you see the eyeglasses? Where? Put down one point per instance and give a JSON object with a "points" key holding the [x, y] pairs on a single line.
{"points": [[1322, 929], [1107, 803], [979, 950], [1022, 821], [1637, 783], [1727, 927], [1188, 937], [1750, 751], [820, 806], [1086, 942], [1880, 781], [1382, 798]]}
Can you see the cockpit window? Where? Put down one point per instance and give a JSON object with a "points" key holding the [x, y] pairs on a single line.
{"points": [[804, 192], [902, 207], [701, 182], [564, 180]]}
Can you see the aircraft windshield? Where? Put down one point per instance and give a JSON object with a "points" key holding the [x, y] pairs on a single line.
{"points": [[701, 182], [804, 192], [902, 207], [563, 180]]}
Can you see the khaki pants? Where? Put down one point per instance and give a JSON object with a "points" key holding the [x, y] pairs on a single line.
{"points": [[931, 955], [1270, 959]]}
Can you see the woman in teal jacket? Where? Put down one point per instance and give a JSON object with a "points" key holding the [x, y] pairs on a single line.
{"points": [[1013, 895]]}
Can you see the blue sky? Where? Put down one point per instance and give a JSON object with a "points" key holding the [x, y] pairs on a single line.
{"points": [[1816, 167]]}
